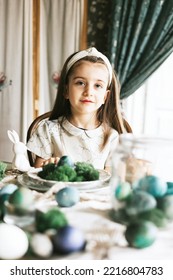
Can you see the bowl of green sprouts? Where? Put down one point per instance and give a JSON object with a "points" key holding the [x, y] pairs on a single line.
{"points": [[79, 174]]}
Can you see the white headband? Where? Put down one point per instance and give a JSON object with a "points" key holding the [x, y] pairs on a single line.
{"points": [[90, 52]]}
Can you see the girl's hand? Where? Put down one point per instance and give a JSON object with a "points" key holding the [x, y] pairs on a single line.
{"points": [[39, 162], [51, 160]]}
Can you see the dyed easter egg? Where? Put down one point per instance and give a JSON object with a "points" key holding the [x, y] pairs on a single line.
{"points": [[153, 185], [139, 202], [123, 190], [170, 188], [155, 216], [67, 197], [22, 197], [66, 160], [8, 189], [41, 245], [68, 239], [13, 242], [165, 203], [3, 198], [141, 234], [5, 193]]}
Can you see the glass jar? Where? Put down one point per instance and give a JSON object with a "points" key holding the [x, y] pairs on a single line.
{"points": [[135, 158]]}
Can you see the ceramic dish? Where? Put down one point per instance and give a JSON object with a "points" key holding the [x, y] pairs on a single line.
{"points": [[33, 181]]}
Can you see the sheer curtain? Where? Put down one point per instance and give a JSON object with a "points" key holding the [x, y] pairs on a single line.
{"points": [[16, 63], [61, 23]]}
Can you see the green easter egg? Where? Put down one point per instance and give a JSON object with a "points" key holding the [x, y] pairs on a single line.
{"points": [[3, 198], [22, 197], [140, 201], [166, 205], [155, 215], [141, 234], [5, 193]]}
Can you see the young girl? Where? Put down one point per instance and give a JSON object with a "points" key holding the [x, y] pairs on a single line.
{"points": [[85, 121]]}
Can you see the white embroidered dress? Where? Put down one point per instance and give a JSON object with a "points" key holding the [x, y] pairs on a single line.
{"points": [[52, 140]]}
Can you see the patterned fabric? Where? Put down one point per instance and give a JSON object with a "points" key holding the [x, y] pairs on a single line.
{"points": [[52, 140], [137, 37], [98, 24]]}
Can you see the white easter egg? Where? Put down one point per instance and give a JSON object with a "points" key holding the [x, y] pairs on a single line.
{"points": [[41, 245], [13, 242]]}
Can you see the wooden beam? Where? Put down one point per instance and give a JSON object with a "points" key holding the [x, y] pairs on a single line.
{"points": [[83, 41], [36, 55]]}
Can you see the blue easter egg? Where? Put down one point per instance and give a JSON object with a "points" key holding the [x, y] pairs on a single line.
{"points": [[8, 189], [153, 185], [68, 239], [66, 160], [67, 197]]}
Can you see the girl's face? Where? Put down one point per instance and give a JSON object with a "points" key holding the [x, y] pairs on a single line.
{"points": [[87, 87]]}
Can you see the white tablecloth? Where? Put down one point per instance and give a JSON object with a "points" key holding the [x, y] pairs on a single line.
{"points": [[105, 238]]}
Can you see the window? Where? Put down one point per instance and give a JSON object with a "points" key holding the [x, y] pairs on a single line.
{"points": [[150, 109]]}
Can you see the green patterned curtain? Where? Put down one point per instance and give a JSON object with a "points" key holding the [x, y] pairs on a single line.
{"points": [[99, 13], [137, 36]]}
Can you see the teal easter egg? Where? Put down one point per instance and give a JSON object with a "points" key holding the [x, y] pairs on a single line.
{"points": [[153, 185], [170, 188], [67, 197], [66, 160], [123, 190], [141, 234]]}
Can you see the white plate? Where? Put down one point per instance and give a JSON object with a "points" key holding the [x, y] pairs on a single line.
{"points": [[33, 181]]}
